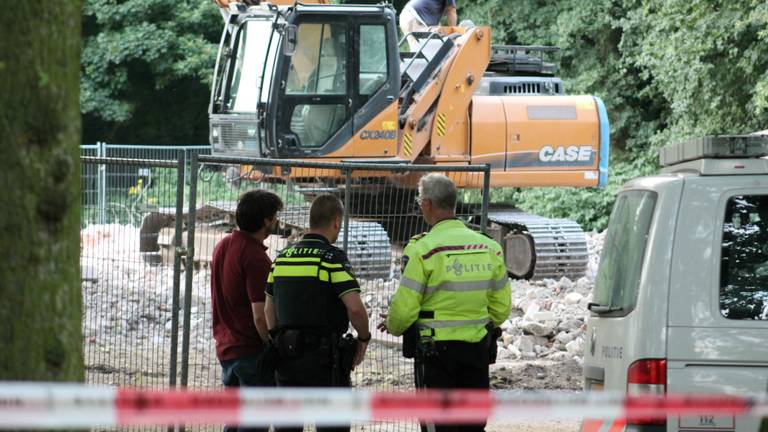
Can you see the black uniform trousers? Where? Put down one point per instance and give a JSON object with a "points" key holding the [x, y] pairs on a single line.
{"points": [[312, 368], [453, 364]]}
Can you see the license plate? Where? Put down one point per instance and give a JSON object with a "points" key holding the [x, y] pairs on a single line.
{"points": [[706, 421]]}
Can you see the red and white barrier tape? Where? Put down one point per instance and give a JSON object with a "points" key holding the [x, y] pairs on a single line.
{"points": [[41, 405]]}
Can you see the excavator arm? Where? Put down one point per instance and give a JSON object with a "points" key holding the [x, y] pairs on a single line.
{"points": [[439, 81]]}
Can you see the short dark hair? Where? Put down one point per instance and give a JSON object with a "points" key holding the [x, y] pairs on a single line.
{"points": [[324, 210], [254, 207]]}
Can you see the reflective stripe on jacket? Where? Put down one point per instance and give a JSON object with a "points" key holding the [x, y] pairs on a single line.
{"points": [[454, 282]]}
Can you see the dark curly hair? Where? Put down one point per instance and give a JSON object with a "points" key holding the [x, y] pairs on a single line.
{"points": [[254, 207]]}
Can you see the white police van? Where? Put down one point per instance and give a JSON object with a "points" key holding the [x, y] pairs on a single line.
{"points": [[681, 296]]}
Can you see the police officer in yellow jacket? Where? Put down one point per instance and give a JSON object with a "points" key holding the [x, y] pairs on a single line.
{"points": [[453, 288]]}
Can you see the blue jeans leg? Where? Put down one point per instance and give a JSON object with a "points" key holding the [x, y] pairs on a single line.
{"points": [[244, 372]]}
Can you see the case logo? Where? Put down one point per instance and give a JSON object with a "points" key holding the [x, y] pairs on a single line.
{"points": [[565, 154]]}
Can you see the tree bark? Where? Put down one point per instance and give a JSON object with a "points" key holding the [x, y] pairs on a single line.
{"points": [[40, 298]]}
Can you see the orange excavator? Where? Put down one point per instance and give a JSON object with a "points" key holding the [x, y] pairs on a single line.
{"points": [[336, 83]]}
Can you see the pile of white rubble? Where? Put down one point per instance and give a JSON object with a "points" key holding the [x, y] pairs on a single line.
{"points": [[548, 318]]}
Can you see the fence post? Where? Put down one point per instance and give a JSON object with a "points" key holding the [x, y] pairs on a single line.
{"points": [[190, 251], [347, 204], [178, 253], [101, 185], [187, 156], [486, 198]]}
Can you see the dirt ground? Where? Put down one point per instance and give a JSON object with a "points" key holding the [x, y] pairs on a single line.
{"points": [[536, 375]]}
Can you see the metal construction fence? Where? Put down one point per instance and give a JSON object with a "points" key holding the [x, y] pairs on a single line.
{"points": [[130, 322], [146, 250], [98, 180], [143, 151]]}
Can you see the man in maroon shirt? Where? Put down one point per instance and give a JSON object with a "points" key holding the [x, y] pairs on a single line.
{"points": [[239, 270]]}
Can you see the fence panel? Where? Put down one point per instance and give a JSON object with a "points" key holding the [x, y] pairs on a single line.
{"points": [[213, 209], [109, 176], [90, 150], [90, 181], [135, 231], [389, 202], [381, 214], [143, 151], [130, 301]]}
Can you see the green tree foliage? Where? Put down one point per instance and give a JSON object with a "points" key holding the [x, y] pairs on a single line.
{"points": [[709, 60], [146, 69], [666, 69], [40, 297]]}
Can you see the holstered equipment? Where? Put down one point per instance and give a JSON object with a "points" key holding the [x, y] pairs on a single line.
{"points": [[494, 333], [269, 358], [415, 344], [295, 343], [410, 341], [343, 361]]}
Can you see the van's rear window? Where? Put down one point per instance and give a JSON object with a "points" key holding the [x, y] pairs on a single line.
{"points": [[621, 261], [744, 261]]}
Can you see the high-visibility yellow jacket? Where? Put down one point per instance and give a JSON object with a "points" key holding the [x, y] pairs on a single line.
{"points": [[454, 282]]}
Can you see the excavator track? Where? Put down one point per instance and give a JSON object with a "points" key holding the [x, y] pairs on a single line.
{"points": [[541, 248]]}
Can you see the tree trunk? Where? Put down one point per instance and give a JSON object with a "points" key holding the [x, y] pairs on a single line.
{"points": [[40, 299]]}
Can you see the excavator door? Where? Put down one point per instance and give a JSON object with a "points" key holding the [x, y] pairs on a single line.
{"points": [[335, 91]]}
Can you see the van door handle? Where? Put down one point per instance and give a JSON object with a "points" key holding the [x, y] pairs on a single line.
{"points": [[390, 98]]}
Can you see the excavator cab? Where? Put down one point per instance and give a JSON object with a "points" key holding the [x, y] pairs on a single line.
{"points": [[305, 81], [341, 72]]}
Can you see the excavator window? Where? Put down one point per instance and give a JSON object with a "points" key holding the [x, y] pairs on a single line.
{"points": [[319, 64], [373, 59], [245, 77], [317, 82]]}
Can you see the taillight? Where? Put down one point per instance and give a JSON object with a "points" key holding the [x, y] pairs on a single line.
{"points": [[647, 377]]}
